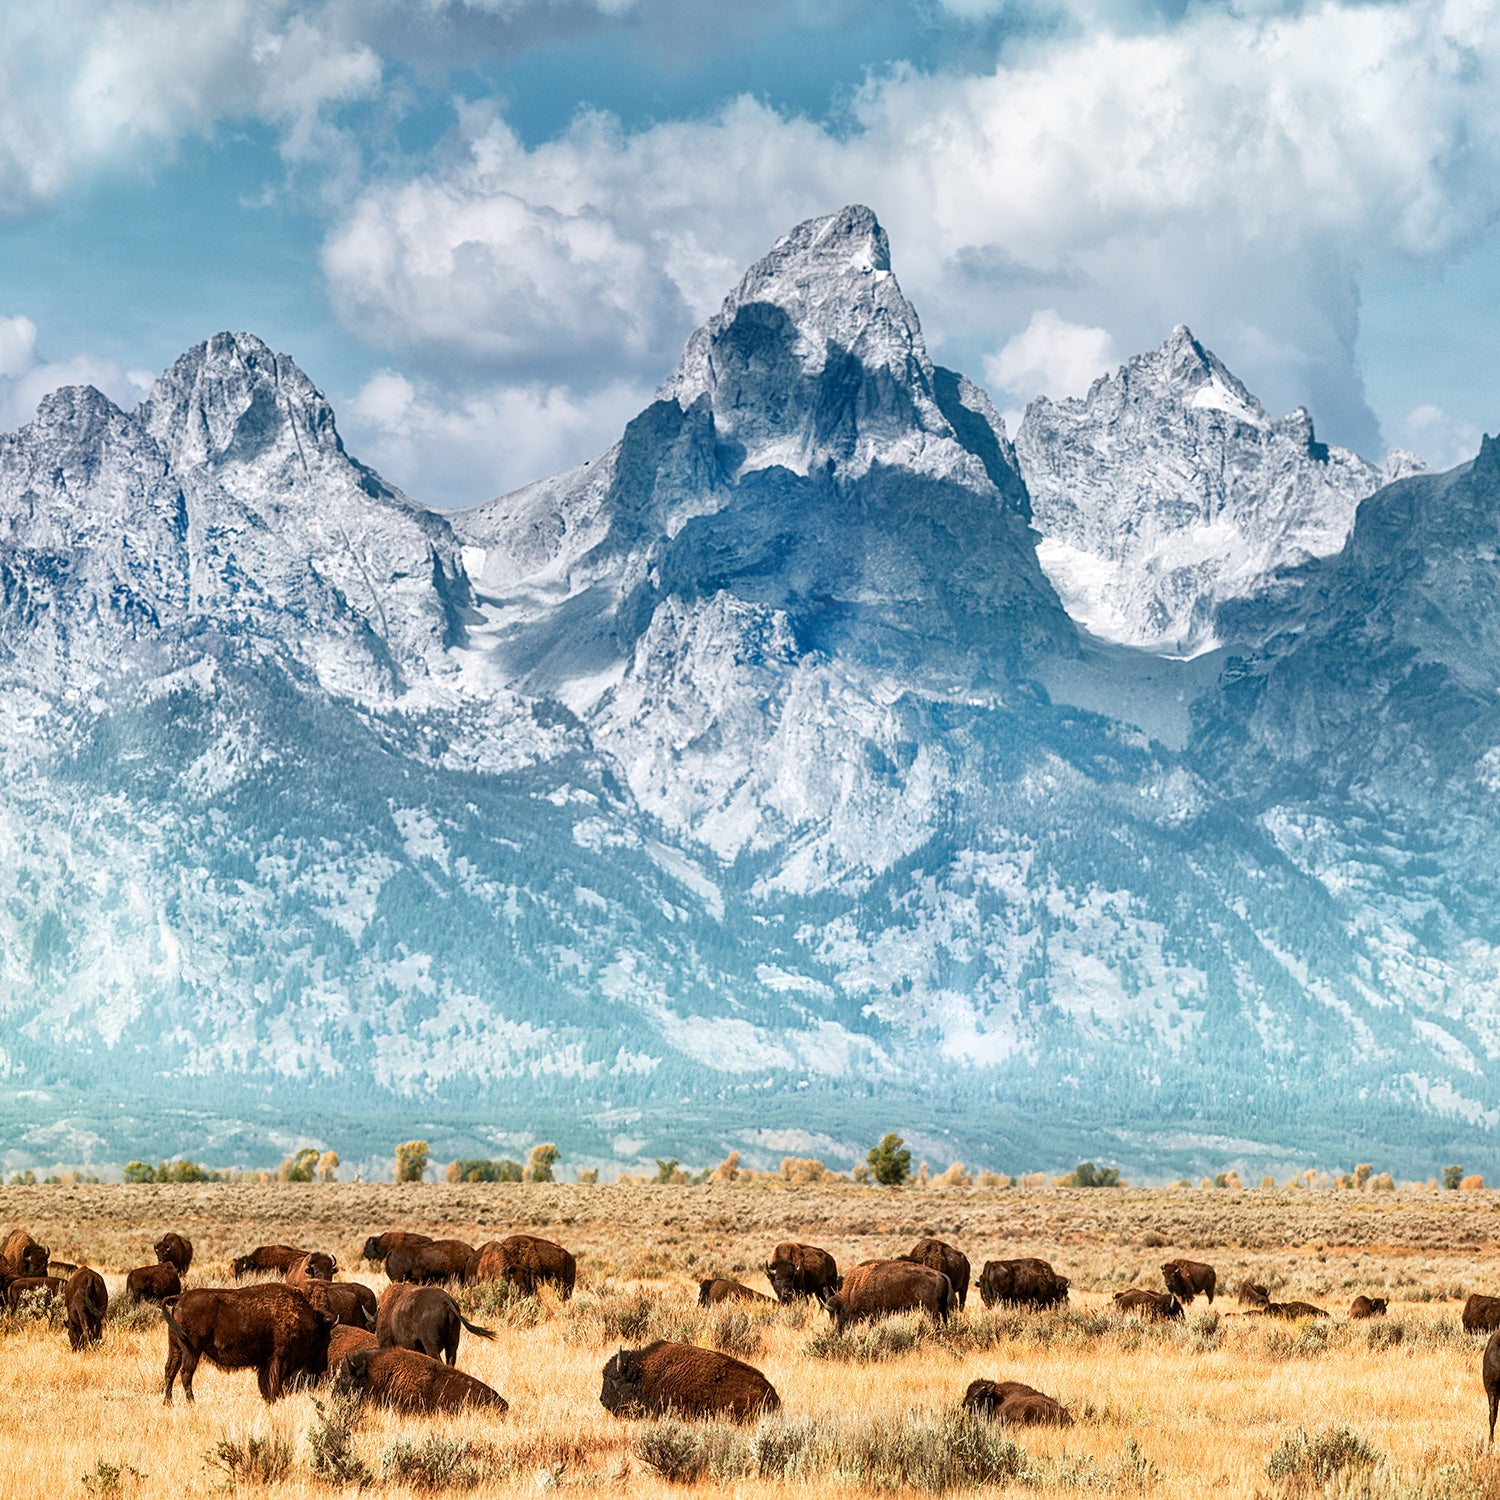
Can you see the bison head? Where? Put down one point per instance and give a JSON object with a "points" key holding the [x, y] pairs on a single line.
{"points": [[620, 1392], [372, 1250], [1172, 1307], [242, 1264], [785, 1281]]}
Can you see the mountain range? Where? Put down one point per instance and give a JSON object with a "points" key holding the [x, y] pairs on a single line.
{"points": [[815, 762]]}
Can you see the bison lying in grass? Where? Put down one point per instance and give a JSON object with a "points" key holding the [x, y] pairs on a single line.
{"points": [[1153, 1306], [1289, 1310], [1186, 1279], [1015, 1404], [717, 1289], [797, 1271], [344, 1340], [425, 1318], [526, 1262], [412, 1382], [1027, 1282], [153, 1283], [938, 1256], [281, 1259], [271, 1328], [86, 1300], [879, 1288], [683, 1379], [1367, 1307]]}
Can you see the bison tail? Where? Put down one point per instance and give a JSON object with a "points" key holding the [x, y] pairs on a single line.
{"points": [[474, 1328], [172, 1322]]}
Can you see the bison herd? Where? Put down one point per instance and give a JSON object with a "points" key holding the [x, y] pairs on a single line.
{"points": [[400, 1349]]}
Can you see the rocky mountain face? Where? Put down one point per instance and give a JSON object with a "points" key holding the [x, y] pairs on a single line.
{"points": [[709, 797], [1169, 491]]}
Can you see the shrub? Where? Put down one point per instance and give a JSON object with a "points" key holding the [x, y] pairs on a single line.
{"points": [[181, 1170], [328, 1167], [954, 1176], [735, 1332], [1452, 1176], [1305, 1463], [728, 1170], [1471, 1184], [257, 1460], [539, 1164], [411, 1161], [439, 1463], [331, 1439], [301, 1167], [477, 1169], [1087, 1175], [589, 1178], [890, 1161], [106, 1478]]}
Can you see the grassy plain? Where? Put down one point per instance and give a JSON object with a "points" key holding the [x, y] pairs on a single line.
{"points": [[1188, 1410]]}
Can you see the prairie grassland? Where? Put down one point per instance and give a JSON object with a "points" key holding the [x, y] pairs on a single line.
{"points": [[1199, 1408]]}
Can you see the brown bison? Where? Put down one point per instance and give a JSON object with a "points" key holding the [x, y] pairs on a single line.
{"points": [[413, 1382], [1367, 1307], [1015, 1404], [20, 1286], [719, 1289], [378, 1246], [1186, 1279], [348, 1303], [684, 1380], [525, 1262], [424, 1318], [1253, 1294], [1153, 1306], [270, 1328], [86, 1300], [1489, 1370], [281, 1259], [1290, 1310], [937, 1256], [878, 1288], [425, 1265], [796, 1271], [1481, 1314], [175, 1250], [1026, 1282], [344, 1340], [23, 1255], [153, 1283]]}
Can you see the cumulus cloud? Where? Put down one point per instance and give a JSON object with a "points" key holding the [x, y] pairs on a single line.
{"points": [[1238, 171], [1051, 357], [25, 377], [1442, 440]]}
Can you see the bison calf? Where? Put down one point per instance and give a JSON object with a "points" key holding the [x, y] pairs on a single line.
{"points": [[175, 1250], [879, 1288], [153, 1283], [1153, 1306], [1015, 1404], [86, 1300], [1367, 1307], [1290, 1310], [271, 1328], [796, 1271], [424, 1318], [938, 1256], [1186, 1279], [719, 1289], [525, 1262], [683, 1379], [412, 1382], [1252, 1294], [1481, 1314], [1025, 1282]]}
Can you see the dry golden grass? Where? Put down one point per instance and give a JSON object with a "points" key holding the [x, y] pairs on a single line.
{"points": [[1189, 1410]]}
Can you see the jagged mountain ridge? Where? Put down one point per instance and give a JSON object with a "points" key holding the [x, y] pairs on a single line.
{"points": [[713, 771]]}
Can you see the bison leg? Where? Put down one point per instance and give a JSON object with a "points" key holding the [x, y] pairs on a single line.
{"points": [[450, 1345], [1494, 1394], [269, 1376]]}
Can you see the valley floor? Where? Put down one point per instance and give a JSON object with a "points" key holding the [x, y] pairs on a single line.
{"points": [[1209, 1406]]}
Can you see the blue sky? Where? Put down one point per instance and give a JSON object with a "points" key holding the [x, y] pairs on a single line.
{"points": [[486, 226]]}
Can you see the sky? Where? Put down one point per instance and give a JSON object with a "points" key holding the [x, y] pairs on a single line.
{"points": [[486, 227]]}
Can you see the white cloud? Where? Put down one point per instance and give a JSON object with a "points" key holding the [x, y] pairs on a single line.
{"points": [[1442, 440], [25, 377], [1051, 357]]}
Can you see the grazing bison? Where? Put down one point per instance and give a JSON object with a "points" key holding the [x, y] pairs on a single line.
{"points": [[1027, 1282], [879, 1288], [424, 1318], [685, 1380], [424, 1265], [412, 1382], [1290, 1310], [175, 1250], [24, 1255], [1153, 1306], [1367, 1307], [1481, 1314], [86, 1300], [1253, 1294], [270, 1328], [348, 1303], [1489, 1370], [344, 1340], [281, 1259], [19, 1286], [1015, 1404], [378, 1246], [937, 1256], [1185, 1279], [153, 1283], [796, 1271], [719, 1289], [525, 1261]]}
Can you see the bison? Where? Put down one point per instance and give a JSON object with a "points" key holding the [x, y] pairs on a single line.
{"points": [[1186, 1279], [348, 1303], [344, 1340], [413, 1382], [796, 1271], [937, 1256], [19, 1286], [1481, 1314], [1253, 1294], [878, 1288], [682, 1379], [1290, 1310], [1027, 1282], [270, 1328], [525, 1261], [153, 1283], [281, 1259], [378, 1246], [24, 1255], [719, 1289], [424, 1318], [1489, 1370], [437, 1260], [1153, 1306], [175, 1250], [1015, 1404], [86, 1300], [1367, 1307]]}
